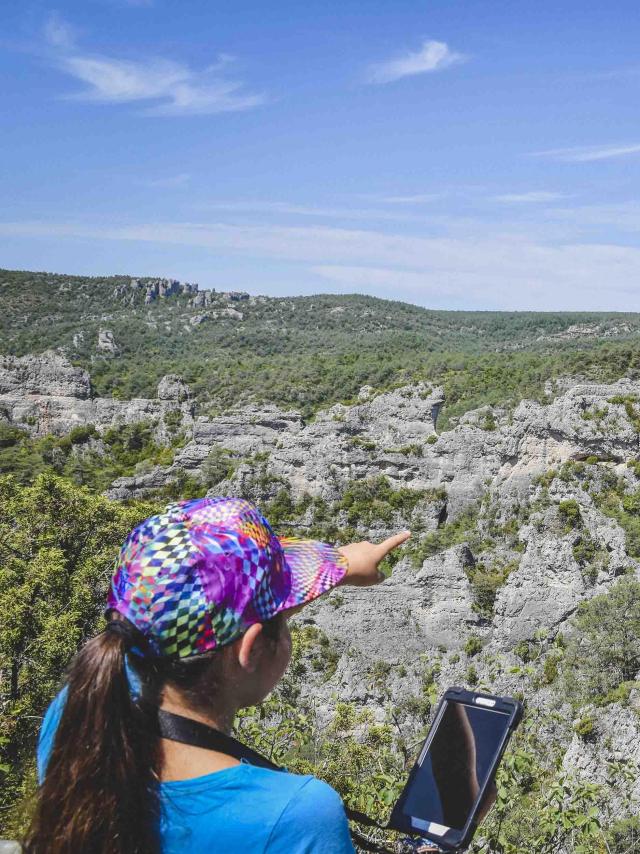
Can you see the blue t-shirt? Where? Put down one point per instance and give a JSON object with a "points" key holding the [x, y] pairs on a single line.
{"points": [[238, 809]]}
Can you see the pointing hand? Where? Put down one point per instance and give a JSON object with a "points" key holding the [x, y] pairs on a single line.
{"points": [[364, 559]]}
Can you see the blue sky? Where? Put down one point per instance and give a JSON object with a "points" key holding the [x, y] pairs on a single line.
{"points": [[477, 154]]}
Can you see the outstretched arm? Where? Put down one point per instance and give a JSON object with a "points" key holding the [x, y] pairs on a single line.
{"points": [[364, 559]]}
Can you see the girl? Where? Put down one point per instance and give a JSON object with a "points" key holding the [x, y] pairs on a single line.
{"points": [[198, 610]]}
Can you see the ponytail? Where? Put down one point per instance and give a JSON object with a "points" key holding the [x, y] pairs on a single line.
{"points": [[100, 793]]}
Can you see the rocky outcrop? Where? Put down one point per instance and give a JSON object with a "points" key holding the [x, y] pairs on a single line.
{"points": [[49, 374], [107, 343], [129, 293], [394, 434], [413, 610], [600, 760], [173, 387], [488, 456], [46, 394]]}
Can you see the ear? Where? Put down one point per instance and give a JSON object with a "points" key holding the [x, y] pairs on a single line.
{"points": [[248, 647]]}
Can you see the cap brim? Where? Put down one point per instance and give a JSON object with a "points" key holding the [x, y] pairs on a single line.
{"points": [[315, 568]]}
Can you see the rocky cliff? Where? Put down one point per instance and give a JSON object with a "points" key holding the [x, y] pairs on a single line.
{"points": [[46, 394], [518, 518]]}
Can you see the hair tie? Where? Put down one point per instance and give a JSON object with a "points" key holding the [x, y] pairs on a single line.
{"points": [[127, 632]]}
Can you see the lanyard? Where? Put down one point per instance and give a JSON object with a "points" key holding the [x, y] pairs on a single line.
{"points": [[196, 734]]}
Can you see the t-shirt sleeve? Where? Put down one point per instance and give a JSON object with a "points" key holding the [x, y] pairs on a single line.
{"points": [[313, 822]]}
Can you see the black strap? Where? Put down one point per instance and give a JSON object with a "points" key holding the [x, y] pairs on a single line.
{"points": [[188, 731]]}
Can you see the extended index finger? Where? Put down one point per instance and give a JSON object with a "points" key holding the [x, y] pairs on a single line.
{"points": [[392, 542]]}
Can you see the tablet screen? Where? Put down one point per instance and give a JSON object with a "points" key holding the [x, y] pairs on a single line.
{"points": [[458, 760]]}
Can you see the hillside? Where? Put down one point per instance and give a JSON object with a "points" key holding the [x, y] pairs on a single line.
{"points": [[522, 576], [305, 352], [508, 443]]}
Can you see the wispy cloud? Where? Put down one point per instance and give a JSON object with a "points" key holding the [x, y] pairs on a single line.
{"points": [[169, 182], [167, 88], [411, 200], [490, 270], [289, 208], [58, 33], [432, 56], [622, 216], [534, 196], [586, 154]]}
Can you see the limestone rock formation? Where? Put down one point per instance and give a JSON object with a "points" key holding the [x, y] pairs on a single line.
{"points": [[46, 394], [107, 343], [173, 387], [414, 610], [49, 374]]}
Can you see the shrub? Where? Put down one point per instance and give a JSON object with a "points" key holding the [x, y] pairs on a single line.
{"points": [[473, 645], [471, 676], [80, 435], [620, 694], [631, 503], [624, 835], [550, 670], [375, 500], [523, 650], [604, 650], [380, 670], [57, 547], [10, 435], [569, 512], [460, 530], [218, 466], [173, 419], [584, 550], [485, 583], [585, 727], [547, 478], [419, 707], [590, 557]]}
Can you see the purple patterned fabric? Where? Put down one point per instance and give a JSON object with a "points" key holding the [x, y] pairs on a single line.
{"points": [[198, 575]]}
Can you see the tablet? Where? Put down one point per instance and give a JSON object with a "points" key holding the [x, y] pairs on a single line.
{"points": [[456, 766]]}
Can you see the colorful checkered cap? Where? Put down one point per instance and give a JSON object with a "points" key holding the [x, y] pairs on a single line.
{"points": [[198, 575]]}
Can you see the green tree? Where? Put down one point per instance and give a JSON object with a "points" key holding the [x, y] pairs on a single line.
{"points": [[604, 651], [57, 547]]}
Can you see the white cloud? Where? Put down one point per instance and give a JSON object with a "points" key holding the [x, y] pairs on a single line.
{"points": [[58, 33], [167, 88], [623, 216], [489, 270], [587, 154], [432, 56], [534, 196]]}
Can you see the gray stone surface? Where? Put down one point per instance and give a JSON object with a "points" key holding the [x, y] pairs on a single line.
{"points": [[412, 611], [46, 394], [615, 741], [107, 343]]}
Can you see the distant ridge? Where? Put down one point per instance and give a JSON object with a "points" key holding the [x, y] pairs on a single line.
{"points": [[305, 351]]}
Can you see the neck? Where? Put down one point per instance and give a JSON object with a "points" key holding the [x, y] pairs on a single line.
{"points": [[220, 718]]}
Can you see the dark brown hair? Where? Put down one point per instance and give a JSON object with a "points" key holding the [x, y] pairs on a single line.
{"points": [[100, 793]]}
